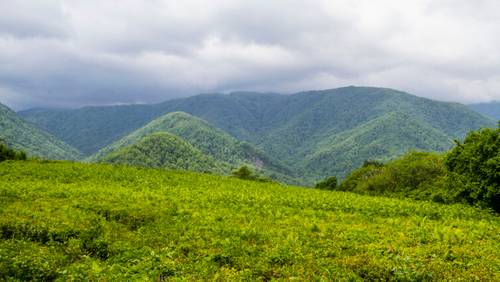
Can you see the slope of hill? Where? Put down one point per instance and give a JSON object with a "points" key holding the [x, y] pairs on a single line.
{"points": [[382, 138], [21, 135], [206, 138], [163, 150], [294, 128], [491, 109], [67, 221]]}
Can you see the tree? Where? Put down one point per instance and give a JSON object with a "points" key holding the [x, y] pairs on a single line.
{"points": [[243, 173], [474, 167], [329, 183], [9, 154]]}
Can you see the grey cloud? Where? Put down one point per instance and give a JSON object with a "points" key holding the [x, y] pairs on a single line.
{"points": [[89, 52]]}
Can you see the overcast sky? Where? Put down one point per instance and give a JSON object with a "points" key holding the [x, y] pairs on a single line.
{"points": [[96, 52]]}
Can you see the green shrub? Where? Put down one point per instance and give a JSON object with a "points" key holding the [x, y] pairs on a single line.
{"points": [[9, 154], [329, 183], [474, 167], [417, 175]]}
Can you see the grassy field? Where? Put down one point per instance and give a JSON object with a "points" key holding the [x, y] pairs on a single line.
{"points": [[67, 221]]}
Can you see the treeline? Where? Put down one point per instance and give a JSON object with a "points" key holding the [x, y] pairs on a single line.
{"points": [[7, 153], [468, 173]]}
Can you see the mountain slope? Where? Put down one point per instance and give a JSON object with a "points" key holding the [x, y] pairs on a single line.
{"points": [[491, 109], [298, 127], [163, 150], [206, 138], [22, 135], [374, 140]]}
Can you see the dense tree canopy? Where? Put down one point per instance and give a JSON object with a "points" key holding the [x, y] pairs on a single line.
{"points": [[474, 167]]}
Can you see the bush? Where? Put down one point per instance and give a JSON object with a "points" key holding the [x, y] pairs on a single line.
{"points": [[329, 183], [243, 173], [417, 175], [9, 154], [474, 167]]}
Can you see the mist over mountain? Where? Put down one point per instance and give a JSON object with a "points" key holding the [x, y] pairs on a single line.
{"points": [[491, 109]]}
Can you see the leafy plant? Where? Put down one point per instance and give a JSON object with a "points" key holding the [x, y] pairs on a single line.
{"points": [[475, 168], [329, 183], [68, 221], [9, 154]]}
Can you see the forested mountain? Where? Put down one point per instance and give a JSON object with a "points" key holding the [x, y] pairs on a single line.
{"points": [[208, 139], [316, 133], [491, 109], [21, 135], [164, 150]]}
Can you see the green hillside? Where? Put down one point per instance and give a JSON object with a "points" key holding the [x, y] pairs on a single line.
{"points": [[91, 128], [299, 130], [21, 135], [69, 222], [163, 150], [382, 139], [491, 109], [208, 139]]}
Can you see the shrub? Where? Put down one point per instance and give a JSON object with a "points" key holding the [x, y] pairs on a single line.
{"points": [[329, 183], [244, 173], [417, 175], [9, 154], [474, 167]]}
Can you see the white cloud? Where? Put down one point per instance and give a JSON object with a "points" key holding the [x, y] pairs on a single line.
{"points": [[70, 53]]}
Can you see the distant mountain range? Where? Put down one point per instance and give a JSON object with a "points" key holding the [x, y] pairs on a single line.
{"points": [[491, 109], [305, 136], [22, 135]]}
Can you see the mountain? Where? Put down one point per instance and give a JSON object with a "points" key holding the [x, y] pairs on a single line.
{"points": [[491, 109], [22, 135], [316, 133], [163, 150], [208, 139]]}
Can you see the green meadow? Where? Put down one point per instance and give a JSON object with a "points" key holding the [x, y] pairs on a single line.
{"points": [[66, 221]]}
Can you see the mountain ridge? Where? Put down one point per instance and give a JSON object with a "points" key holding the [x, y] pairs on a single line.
{"points": [[289, 128], [22, 135]]}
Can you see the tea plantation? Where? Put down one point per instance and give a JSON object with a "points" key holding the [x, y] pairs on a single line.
{"points": [[66, 221]]}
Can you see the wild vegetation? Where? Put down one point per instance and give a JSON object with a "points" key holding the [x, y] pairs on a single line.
{"points": [[7, 153], [469, 173], [67, 221]]}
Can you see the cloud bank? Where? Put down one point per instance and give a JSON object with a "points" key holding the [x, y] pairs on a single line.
{"points": [[60, 53]]}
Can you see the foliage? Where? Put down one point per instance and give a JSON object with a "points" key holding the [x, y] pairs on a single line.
{"points": [[9, 154], [418, 175], [164, 150], [243, 173], [314, 134], [475, 168], [21, 135], [469, 173], [71, 222], [329, 183]]}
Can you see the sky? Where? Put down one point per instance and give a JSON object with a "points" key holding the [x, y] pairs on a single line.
{"points": [[56, 53]]}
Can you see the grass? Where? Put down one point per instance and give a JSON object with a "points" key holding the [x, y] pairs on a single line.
{"points": [[68, 221]]}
